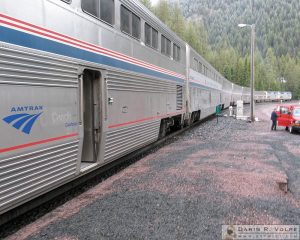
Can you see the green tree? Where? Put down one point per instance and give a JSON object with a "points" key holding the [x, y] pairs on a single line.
{"points": [[271, 73], [162, 11], [147, 3]]}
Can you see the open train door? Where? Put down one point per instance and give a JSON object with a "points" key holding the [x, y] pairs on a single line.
{"points": [[90, 85]]}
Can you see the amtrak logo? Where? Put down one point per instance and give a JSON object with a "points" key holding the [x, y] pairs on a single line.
{"points": [[23, 121]]}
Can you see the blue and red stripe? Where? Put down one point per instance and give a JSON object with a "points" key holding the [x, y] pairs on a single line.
{"points": [[13, 31]]}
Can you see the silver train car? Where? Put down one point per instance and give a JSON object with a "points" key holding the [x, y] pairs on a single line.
{"points": [[84, 83], [271, 96]]}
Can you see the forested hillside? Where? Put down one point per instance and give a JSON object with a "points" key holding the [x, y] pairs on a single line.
{"points": [[211, 28], [277, 23]]}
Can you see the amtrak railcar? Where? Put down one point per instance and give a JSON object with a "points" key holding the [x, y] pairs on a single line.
{"points": [[78, 95], [205, 86], [86, 82]]}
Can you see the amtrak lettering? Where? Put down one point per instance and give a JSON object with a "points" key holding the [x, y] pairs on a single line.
{"points": [[22, 118], [26, 108]]}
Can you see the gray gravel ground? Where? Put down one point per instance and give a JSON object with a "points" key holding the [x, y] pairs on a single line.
{"points": [[214, 174]]}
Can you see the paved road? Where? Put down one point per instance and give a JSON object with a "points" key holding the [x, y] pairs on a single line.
{"points": [[214, 174]]}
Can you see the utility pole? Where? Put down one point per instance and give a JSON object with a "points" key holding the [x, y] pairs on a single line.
{"points": [[252, 68], [252, 72]]}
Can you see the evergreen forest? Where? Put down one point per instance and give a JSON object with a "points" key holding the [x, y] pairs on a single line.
{"points": [[211, 28]]}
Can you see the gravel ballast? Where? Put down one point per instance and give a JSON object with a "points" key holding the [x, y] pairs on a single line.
{"points": [[216, 173]]}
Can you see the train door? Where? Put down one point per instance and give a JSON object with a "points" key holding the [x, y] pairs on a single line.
{"points": [[91, 112]]}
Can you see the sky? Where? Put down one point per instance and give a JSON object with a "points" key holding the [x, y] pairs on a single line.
{"points": [[154, 2]]}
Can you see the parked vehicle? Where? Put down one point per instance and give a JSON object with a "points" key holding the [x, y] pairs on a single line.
{"points": [[289, 117]]}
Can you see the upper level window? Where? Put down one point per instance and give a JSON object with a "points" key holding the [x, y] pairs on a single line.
{"points": [[200, 67], [148, 34], [176, 52], [154, 38], [165, 46], [130, 23], [107, 8], [168, 47], [195, 64], [205, 70], [151, 36], [101, 9]]}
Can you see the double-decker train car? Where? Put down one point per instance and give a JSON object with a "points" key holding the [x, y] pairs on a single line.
{"points": [[260, 96], [246, 94], [83, 83], [271, 96], [237, 94], [226, 92], [285, 96], [289, 96], [278, 96], [204, 84]]}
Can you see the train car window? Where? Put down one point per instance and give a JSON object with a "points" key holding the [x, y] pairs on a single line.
{"points": [[205, 70], [107, 10], [130, 23], [195, 64], [101, 9], [151, 36], [92, 7], [148, 37], [163, 45], [176, 52], [125, 20], [200, 67], [154, 38], [168, 48], [136, 26]]}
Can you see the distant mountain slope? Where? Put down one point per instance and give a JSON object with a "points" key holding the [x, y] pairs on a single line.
{"points": [[277, 23]]}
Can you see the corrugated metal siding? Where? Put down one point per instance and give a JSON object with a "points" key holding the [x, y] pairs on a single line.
{"points": [[125, 82], [31, 173], [179, 97], [19, 67], [120, 142]]}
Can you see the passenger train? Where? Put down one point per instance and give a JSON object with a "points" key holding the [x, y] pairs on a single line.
{"points": [[83, 83]]}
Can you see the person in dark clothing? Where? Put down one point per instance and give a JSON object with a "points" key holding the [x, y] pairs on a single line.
{"points": [[274, 119]]}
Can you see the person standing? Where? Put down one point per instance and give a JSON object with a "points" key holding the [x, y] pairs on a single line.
{"points": [[274, 119]]}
